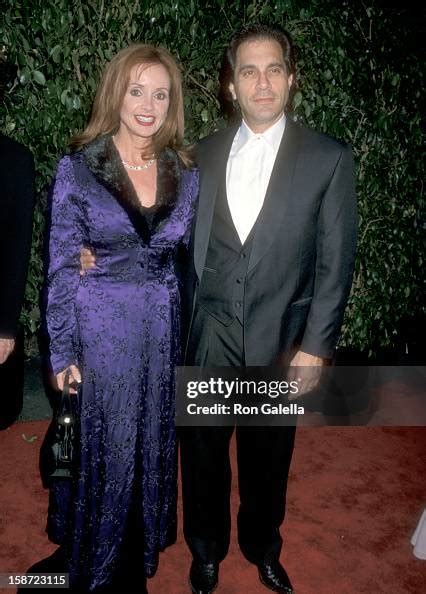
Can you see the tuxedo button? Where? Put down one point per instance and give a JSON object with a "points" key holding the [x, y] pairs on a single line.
{"points": [[238, 303], [243, 255], [239, 280]]}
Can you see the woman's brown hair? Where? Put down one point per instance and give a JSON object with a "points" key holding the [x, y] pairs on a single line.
{"points": [[104, 118]]}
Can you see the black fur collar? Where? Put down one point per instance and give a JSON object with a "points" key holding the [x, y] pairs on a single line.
{"points": [[103, 160]]}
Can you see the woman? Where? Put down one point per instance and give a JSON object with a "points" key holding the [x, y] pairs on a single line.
{"points": [[127, 193]]}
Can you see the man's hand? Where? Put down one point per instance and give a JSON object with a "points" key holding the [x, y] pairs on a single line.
{"points": [[87, 260], [75, 376], [307, 374], [6, 347]]}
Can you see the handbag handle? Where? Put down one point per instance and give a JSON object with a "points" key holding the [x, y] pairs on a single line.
{"points": [[66, 416]]}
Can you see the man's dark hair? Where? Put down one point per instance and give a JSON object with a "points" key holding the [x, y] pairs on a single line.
{"points": [[251, 32]]}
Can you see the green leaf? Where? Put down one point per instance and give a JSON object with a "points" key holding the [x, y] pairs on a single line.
{"points": [[56, 54], [76, 103], [25, 76], [297, 99], [64, 96], [10, 127], [307, 108], [39, 77]]}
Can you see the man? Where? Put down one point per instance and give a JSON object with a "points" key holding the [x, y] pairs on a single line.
{"points": [[273, 248], [16, 213]]}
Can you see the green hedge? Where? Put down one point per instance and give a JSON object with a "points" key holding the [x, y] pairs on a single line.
{"points": [[358, 80]]}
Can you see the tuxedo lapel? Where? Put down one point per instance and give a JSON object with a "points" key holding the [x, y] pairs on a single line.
{"points": [[212, 161], [278, 194]]}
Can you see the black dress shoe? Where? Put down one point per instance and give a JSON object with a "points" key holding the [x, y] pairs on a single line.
{"points": [[273, 575], [55, 563], [203, 577]]}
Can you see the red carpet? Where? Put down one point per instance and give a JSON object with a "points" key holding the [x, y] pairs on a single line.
{"points": [[354, 500]]}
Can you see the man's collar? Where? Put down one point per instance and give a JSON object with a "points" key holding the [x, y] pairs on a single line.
{"points": [[272, 135]]}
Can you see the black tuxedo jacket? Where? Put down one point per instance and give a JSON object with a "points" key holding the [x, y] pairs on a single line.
{"points": [[16, 215], [302, 257]]}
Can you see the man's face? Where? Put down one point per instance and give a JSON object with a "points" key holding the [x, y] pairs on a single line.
{"points": [[261, 84]]}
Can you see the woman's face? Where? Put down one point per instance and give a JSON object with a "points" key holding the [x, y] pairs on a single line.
{"points": [[146, 101]]}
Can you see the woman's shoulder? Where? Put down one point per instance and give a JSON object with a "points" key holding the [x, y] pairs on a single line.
{"points": [[71, 178], [71, 165], [67, 159], [64, 166]]}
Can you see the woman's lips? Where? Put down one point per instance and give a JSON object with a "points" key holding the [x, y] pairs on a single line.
{"points": [[144, 120]]}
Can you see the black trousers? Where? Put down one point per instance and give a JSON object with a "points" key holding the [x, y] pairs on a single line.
{"points": [[263, 457], [12, 384]]}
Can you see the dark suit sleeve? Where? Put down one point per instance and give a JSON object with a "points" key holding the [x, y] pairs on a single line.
{"points": [[15, 242], [336, 243]]}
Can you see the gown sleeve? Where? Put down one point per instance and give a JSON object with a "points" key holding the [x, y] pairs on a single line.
{"points": [[67, 236]]}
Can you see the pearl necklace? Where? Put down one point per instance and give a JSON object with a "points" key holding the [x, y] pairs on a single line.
{"points": [[137, 167]]}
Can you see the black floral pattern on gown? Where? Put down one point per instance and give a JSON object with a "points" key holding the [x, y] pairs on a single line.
{"points": [[120, 323]]}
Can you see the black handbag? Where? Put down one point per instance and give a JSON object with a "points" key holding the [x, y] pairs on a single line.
{"points": [[63, 434]]}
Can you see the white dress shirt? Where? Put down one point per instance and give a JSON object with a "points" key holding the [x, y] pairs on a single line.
{"points": [[248, 171]]}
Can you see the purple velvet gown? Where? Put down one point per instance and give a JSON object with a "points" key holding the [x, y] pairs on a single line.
{"points": [[120, 323]]}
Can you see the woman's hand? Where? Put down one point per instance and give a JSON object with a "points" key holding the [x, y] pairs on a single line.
{"points": [[75, 376], [87, 260], [6, 347]]}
